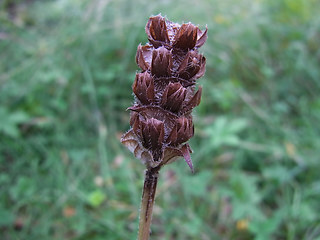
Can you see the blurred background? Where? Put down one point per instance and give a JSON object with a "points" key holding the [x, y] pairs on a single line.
{"points": [[66, 70]]}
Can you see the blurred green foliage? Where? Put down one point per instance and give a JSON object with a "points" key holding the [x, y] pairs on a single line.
{"points": [[66, 69]]}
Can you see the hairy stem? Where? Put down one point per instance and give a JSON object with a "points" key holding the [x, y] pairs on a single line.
{"points": [[149, 190]]}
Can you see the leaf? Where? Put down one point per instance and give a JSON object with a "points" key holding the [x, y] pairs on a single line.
{"points": [[196, 185], [96, 198], [263, 229], [237, 125], [279, 173], [225, 132], [9, 121], [244, 195], [24, 188], [193, 226]]}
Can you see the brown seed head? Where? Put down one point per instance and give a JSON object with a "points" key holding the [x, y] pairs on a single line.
{"points": [[161, 121]]}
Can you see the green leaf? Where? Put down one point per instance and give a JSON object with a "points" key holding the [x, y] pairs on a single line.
{"points": [[24, 188], [196, 185], [264, 228], [96, 198], [225, 132], [9, 121]]}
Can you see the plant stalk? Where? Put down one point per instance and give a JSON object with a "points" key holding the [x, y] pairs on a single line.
{"points": [[147, 201]]}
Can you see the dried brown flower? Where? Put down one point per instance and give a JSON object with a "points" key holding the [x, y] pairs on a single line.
{"points": [[161, 121]]}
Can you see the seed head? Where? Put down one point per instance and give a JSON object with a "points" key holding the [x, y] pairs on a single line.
{"points": [[161, 120]]}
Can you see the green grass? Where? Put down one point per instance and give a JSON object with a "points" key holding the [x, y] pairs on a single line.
{"points": [[66, 70]]}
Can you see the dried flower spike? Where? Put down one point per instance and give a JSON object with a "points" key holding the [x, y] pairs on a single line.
{"points": [[161, 121]]}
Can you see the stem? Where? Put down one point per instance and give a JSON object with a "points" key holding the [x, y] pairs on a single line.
{"points": [[149, 190]]}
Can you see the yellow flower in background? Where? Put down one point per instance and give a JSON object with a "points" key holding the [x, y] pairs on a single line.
{"points": [[242, 224]]}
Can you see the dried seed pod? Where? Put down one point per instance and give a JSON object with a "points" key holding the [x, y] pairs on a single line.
{"points": [[143, 88], [173, 97], [161, 121], [194, 101], [143, 57], [161, 62], [186, 37], [156, 30], [182, 131], [153, 136], [192, 66]]}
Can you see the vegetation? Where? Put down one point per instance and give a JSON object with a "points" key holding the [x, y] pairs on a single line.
{"points": [[66, 70]]}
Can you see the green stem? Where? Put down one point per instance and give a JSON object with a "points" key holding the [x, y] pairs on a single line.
{"points": [[148, 195]]}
